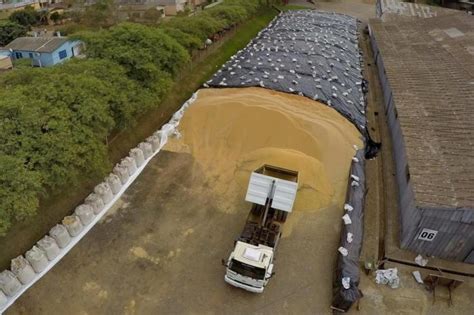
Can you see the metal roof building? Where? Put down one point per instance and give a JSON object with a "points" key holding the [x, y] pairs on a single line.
{"points": [[426, 66], [39, 44], [44, 51]]}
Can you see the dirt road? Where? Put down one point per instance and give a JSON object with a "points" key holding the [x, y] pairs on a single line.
{"points": [[159, 252]]}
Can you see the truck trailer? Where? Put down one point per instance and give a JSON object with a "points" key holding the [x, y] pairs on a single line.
{"points": [[272, 191]]}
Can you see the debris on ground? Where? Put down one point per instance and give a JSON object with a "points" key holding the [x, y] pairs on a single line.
{"points": [[388, 276], [420, 261], [417, 275]]}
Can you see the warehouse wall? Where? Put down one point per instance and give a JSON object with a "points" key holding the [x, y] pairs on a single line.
{"points": [[455, 233], [409, 215], [454, 228]]}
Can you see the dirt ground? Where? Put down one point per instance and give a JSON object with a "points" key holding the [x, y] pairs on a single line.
{"points": [[159, 252], [413, 298]]}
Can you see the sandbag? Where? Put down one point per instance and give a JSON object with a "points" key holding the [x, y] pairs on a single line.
{"points": [[130, 164], [177, 117], [49, 246], [73, 225], [3, 298], [60, 235], [146, 149], [22, 269], [37, 259], [9, 284], [154, 141], [166, 131], [96, 202], [104, 191], [137, 155], [114, 183], [346, 281], [122, 172], [85, 213]]}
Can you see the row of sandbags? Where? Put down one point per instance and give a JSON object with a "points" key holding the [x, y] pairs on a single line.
{"points": [[346, 282], [24, 269]]}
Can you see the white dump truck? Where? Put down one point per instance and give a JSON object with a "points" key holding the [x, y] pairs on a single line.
{"points": [[272, 191]]}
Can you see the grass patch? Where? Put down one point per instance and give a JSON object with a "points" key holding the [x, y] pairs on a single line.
{"points": [[24, 234]]}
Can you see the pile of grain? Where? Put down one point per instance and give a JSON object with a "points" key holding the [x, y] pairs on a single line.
{"points": [[231, 132]]}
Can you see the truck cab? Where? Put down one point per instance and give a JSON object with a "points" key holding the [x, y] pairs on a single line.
{"points": [[272, 191], [250, 267]]}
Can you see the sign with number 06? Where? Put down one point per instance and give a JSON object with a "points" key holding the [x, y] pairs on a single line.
{"points": [[427, 235]]}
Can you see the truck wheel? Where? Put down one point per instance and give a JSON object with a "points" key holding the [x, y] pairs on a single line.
{"points": [[282, 215]]}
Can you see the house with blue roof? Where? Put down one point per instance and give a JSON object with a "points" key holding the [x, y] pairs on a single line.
{"points": [[44, 51]]}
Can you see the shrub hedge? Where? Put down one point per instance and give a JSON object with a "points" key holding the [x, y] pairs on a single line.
{"points": [[54, 122]]}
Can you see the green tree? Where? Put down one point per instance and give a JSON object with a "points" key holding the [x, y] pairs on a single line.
{"points": [[199, 25], [188, 41], [152, 16], [42, 16], [54, 121], [19, 191], [228, 15], [9, 31], [55, 17], [27, 17], [147, 53], [130, 98], [57, 124]]}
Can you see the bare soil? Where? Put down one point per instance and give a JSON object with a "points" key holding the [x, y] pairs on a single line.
{"points": [[159, 252], [55, 205]]}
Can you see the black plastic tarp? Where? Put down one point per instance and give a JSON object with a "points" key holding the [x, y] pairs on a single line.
{"points": [[306, 52], [347, 269]]}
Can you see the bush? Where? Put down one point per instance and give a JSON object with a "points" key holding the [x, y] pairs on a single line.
{"points": [[200, 26], [54, 121], [9, 31], [57, 123], [52, 135], [229, 15], [19, 191], [27, 17], [188, 41], [147, 53]]}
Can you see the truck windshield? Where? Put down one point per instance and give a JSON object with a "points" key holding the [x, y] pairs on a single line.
{"points": [[247, 270]]}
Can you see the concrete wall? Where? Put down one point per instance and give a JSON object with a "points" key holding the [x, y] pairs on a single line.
{"points": [[454, 228]]}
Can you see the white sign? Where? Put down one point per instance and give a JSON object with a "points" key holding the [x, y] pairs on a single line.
{"points": [[427, 235]]}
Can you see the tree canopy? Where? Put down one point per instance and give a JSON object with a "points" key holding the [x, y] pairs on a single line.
{"points": [[9, 31], [54, 121], [148, 54], [27, 17]]}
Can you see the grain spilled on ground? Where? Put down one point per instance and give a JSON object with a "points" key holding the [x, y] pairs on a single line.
{"points": [[231, 132]]}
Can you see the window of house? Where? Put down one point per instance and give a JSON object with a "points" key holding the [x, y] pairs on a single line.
{"points": [[18, 55], [62, 54], [31, 55]]}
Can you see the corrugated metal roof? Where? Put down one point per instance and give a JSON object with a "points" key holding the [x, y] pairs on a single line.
{"points": [[39, 44], [396, 9], [306, 52], [431, 75]]}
